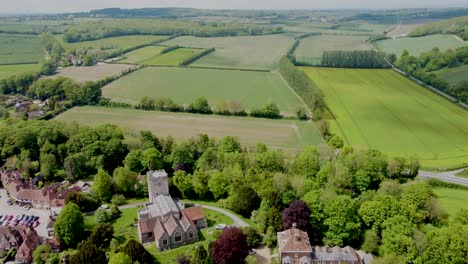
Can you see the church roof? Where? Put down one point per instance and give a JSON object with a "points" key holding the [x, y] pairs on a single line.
{"points": [[294, 240], [163, 206]]}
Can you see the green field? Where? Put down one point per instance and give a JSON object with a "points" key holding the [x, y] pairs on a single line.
{"points": [[142, 54], [256, 52], [15, 49], [114, 43], [453, 75], [288, 135], [452, 199], [10, 70], [172, 58], [184, 85], [383, 110], [311, 49], [418, 45]]}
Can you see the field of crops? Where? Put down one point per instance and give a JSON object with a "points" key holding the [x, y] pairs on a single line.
{"points": [[418, 45], [142, 54], [255, 52], [183, 85], [20, 49], [10, 70], [452, 200], [114, 43], [93, 73], [381, 109], [311, 49], [453, 75], [288, 135], [172, 58]]}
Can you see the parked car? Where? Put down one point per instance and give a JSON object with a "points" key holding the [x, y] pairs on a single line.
{"points": [[220, 227], [36, 224], [252, 252], [36, 218]]}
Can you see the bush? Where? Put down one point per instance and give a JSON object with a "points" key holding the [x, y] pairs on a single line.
{"points": [[200, 106], [268, 111], [301, 114], [118, 199], [253, 237], [336, 142], [102, 216]]}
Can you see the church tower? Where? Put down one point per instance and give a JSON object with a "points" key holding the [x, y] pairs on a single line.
{"points": [[157, 184]]}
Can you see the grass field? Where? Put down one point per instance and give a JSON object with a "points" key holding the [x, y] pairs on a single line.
{"points": [[92, 73], [256, 52], [453, 75], [184, 85], [142, 54], [172, 58], [10, 70], [311, 49], [281, 134], [418, 45], [21, 49], [452, 199], [113, 43], [381, 109]]}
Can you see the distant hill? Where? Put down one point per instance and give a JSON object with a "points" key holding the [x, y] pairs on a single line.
{"points": [[457, 26]]}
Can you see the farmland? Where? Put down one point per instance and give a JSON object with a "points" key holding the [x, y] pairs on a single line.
{"points": [[452, 200], [183, 85], [453, 75], [92, 73], [311, 49], [259, 52], [417, 45], [10, 70], [17, 49], [383, 110], [172, 58], [288, 135], [142, 54], [114, 43]]}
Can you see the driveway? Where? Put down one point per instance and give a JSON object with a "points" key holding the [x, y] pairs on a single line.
{"points": [[14, 210], [237, 221]]}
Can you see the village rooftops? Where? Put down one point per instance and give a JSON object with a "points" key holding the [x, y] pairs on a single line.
{"points": [[293, 241]]}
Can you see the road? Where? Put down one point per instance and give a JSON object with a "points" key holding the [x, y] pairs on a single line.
{"points": [[448, 176]]}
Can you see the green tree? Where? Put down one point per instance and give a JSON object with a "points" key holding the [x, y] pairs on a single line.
{"points": [[102, 235], [374, 213], [371, 242], [397, 238], [414, 202], [102, 216], [229, 145], [253, 237], [183, 182], [69, 225], [343, 224], [271, 238], [87, 252], [200, 255], [308, 162], [201, 106], [102, 185], [133, 161], [152, 159], [218, 184], [48, 68], [137, 252], [120, 258], [200, 183], [41, 254], [124, 180]]}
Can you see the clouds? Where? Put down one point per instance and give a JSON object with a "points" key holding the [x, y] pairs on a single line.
{"points": [[46, 6]]}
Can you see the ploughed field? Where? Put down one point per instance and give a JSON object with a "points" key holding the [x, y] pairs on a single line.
{"points": [[21, 49], [184, 85], [92, 73], [289, 135], [251, 52], [418, 45], [311, 49], [382, 109]]}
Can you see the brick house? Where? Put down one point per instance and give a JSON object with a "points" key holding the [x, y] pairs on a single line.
{"points": [[22, 238]]}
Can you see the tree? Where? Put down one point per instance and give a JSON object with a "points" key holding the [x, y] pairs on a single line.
{"points": [[201, 106], [342, 223], [152, 159], [48, 68], [301, 114], [230, 247], [307, 163], [200, 256], [229, 145], [183, 182], [102, 185], [137, 252], [102, 216], [147, 103], [414, 202], [183, 260], [133, 161], [102, 235], [244, 201], [297, 213], [397, 238], [69, 225], [253, 237], [124, 180], [87, 252], [270, 238], [371, 242], [120, 258], [336, 142], [85, 201], [41, 254]]}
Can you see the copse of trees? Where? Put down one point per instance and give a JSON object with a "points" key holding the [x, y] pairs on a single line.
{"points": [[268, 111], [354, 59]]}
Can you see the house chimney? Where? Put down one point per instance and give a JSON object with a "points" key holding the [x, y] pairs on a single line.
{"points": [[294, 226]]}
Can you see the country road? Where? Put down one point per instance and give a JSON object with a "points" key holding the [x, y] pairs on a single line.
{"points": [[448, 176]]}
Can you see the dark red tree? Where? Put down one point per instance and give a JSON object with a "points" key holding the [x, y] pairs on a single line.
{"points": [[230, 247], [297, 213]]}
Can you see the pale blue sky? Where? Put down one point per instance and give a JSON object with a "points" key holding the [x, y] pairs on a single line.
{"points": [[46, 6]]}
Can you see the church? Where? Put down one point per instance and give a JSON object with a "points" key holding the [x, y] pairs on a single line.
{"points": [[163, 220]]}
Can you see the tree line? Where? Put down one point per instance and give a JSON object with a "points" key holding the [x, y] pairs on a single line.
{"points": [[353, 59]]}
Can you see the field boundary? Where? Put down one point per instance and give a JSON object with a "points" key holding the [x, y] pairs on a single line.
{"points": [[295, 93]]}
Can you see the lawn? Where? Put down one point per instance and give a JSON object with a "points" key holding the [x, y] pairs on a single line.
{"points": [[255, 52], [452, 199], [123, 226], [92, 73], [114, 43], [288, 135], [10, 70], [16, 49], [418, 45], [172, 58], [311, 49], [142, 54], [184, 85], [453, 75], [383, 110]]}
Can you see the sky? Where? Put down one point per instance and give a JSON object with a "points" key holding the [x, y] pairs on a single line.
{"points": [[57, 6]]}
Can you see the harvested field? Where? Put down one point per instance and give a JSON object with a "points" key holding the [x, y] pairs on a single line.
{"points": [[184, 85], [114, 43], [10, 70], [383, 110], [142, 54], [282, 134], [311, 49], [17, 49], [92, 73], [255, 52]]}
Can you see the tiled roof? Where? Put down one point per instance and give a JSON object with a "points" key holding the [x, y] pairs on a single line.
{"points": [[294, 240], [170, 225], [147, 225], [194, 213], [346, 254], [159, 230]]}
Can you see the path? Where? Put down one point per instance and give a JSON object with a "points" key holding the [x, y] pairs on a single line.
{"points": [[447, 176]]}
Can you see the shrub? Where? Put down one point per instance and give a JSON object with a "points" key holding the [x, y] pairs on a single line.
{"points": [[200, 106], [118, 199], [268, 111], [102, 216], [301, 114]]}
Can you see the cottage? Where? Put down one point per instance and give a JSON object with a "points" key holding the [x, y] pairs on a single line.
{"points": [[23, 239]]}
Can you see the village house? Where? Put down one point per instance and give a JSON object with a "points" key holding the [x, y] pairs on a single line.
{"points": [[24, 193], [295, 248], [23, 239], [165, 221]]}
